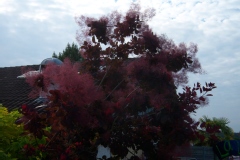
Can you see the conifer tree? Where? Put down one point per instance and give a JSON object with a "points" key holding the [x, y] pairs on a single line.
{"points": [[71, 52]]}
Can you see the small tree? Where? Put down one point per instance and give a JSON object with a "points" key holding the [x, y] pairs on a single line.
{"points": [[71, 52], [121, 103], [214, 130]]}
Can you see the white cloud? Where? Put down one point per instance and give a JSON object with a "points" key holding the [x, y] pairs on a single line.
{"points": [[6, 7], [36, 15]]}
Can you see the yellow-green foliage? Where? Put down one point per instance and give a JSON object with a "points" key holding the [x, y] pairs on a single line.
{"points": [[9, 132], [12, 139], [8, 129]]}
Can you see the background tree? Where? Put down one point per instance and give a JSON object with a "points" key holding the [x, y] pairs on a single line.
{"points": [[210, 136], [71, 52], [116, 101]]}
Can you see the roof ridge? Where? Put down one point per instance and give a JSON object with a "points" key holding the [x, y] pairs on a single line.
{"points": [[20, 66]]}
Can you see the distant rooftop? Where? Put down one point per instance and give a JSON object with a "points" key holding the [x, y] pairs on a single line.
{"points": [[14, 90]]}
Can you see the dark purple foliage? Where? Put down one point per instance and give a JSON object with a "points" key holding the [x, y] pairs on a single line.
{"points": [[119, 102]]}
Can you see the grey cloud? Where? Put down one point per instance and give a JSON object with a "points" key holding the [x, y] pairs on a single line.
{"points": [[27, 41]]}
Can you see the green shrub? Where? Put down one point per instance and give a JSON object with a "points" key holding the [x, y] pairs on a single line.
{"points": [[13, 142], [10, 132]]}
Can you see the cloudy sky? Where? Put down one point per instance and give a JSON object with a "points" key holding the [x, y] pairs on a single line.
{"points": [[31, 30]]}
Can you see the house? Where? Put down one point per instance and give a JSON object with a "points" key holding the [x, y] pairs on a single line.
{"points": [[14, 90]]}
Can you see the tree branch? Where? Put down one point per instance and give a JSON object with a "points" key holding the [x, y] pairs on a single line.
{"points": [[113, 89], [103, 77]]}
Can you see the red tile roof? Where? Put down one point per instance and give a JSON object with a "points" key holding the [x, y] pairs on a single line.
{"points": [[14, 91]]}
